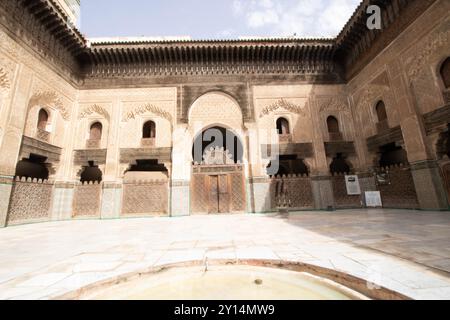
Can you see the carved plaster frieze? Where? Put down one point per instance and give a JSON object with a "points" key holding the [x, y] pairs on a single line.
{"points": [[4, 80], [95, 108], [49, 99], [334, 104], [7, 68], [286, 105], [423, 56], [133, 112], [20, 56], [369, 94], [10, 47]]}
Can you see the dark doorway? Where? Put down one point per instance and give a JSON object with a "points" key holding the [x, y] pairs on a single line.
{"points": [[91, 173], [217, 137], [287, 164], [339, 165], [392, 155], [33, 167], [148, 165]]}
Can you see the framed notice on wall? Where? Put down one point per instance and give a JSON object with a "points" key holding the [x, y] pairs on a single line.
{"points": [[352, 183], [373, 199]]}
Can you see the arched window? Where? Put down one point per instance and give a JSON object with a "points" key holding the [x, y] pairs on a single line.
{"points": [[42, 119], [333, 125], [149, 130], [283, 126], [445, 73], [95, 132], [381, 111]]}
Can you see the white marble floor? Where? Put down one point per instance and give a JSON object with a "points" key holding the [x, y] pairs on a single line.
{"points": [[405, 251]]}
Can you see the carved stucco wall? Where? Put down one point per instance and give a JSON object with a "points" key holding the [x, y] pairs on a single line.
{"points": [[58, 108], [405, 77], [32, 83], [215, 108], [422, 62], [7, 75], [88, 114], [338, 107], [128, 110], [134, 116]]}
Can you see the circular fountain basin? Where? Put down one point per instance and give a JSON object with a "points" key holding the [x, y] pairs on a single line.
{"points": [[226, 282]]}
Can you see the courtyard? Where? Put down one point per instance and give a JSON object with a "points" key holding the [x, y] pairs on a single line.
{"points": [[405, 251]]}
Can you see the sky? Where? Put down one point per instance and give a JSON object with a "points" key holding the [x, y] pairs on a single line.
{"points": [[215, 19]]}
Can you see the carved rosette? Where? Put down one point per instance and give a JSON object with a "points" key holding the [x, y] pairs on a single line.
{"points": [[286, 105]]}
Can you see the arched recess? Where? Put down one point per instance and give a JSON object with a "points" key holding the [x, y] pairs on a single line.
{"points": [[95, 131], [218, 180], [283, 127], [380, 109], [43, 117], [333, 125], [149, 130]]}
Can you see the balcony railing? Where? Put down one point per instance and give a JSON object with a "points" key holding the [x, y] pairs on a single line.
{"points": [[285, 138], [93, 144], [148, 142], [335, 136], [43, 135], [382, 126]]}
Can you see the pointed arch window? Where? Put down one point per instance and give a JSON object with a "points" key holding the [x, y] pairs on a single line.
{"points": [[95, 132], [380, 108], [333, 129], [149, 130], [333, 125], [42, 120], [283, 126]]}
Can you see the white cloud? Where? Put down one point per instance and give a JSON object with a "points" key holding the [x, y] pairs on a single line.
{"points": [[261, 18], [238, 7], [306, 18], [227, 33]]}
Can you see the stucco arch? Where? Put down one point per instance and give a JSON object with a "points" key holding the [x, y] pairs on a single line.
{"points": [[216, 108]]}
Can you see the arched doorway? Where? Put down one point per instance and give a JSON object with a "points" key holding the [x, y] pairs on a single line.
{"points": [[217, 184]]}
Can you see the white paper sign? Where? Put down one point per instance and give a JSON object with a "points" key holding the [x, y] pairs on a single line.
{"points": [[352, 183], [373, 199]]}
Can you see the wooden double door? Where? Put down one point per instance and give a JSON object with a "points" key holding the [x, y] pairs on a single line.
{"points": [[219, 194], [216, 190]]}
